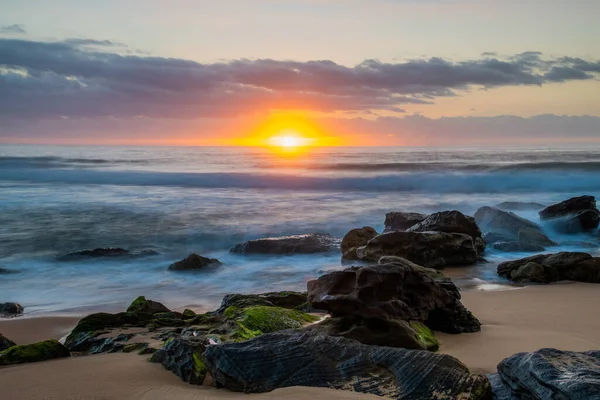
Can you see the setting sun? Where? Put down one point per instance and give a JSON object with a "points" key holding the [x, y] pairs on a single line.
{"points": [[288, 140]]}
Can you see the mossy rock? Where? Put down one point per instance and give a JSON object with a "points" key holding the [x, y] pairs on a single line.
{"points": [[425, 336], [130, 348], [5, 343], [102, 321], [33, 352], [189, 313], [270, 319], [284, 299], [142, 305]]}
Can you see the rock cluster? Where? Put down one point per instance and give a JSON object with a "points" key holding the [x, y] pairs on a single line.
{"points": [[194, 262], [545, 268], [575, 215]]}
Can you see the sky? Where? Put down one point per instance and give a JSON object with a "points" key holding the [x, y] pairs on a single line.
{"points": [[340, 72]]}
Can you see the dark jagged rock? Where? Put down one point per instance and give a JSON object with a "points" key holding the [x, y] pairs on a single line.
{"points": [[89, 343], [306, 359], [11, 309], [519, 206], [548, 374], [142, 305], [355, 238], [534, 237], [183, 358], [451, 222], [517, 246], [392, 291], [107, 252], [554, 267], [35, 352], [5, 343], [296, 300], [401, 221], [298, 244], [379, 332], [578, 214], [430, 249], [193, 262]]}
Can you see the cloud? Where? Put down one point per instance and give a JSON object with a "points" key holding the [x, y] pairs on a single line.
{"points": [[17, 29], [86, 78]]}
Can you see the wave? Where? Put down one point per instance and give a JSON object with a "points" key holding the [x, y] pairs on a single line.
{"points": [[437, 182], [58, 162]]}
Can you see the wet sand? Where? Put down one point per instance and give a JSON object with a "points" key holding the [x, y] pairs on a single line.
{"points": [[563, 316]]}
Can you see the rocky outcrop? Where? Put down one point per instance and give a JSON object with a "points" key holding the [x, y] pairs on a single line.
{"points": [[506, 231], [306, 359], [11, 309], [548, 374], [193, 262], [430, 249], [578, 214], [35, 352], [286, 245], [355, 238], [545, 268], [5, 343], [451, 222], [294, 300], [107, 252], [389, 292], [183, 358], [401, 221], [519, 206]]}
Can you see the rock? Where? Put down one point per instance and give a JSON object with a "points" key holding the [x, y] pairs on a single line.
{"points": [[298, 244], [192, 262], [33, 352], [5, 343], [138, 347], [430, 249], [549, 374], [379, 332], [519, 206], [257, 320], [11, 309], [183, 358], [401, 221], [141, 305], [389, 292], [495, 237], [357, 237], [295, 300], [556, 267], [306, 359], [534, 237], [91, 344], [578, 214], [107, 252], [517, 246]]}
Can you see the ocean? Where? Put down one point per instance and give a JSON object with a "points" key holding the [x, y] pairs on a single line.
{"points": [[179, 200]]}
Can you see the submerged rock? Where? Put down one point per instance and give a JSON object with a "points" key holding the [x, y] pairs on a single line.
{"points": [[11, 309], [511, 246], [430, 249], [306, 359], [389, 292], [5, 343], [106, 252], [519, 206], [192, 262], [41, 351], [401, 221], [357, 237], [578, 214], [545, 268], [549, 374], [285, 245], [286, 299]]}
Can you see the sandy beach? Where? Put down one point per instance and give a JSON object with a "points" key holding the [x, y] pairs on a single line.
{"points": [[563, 316]]}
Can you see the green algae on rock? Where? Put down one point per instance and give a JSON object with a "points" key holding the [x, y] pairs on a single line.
{"points": [[40, 351], [425, 336], [142, 305], [268, 319]]}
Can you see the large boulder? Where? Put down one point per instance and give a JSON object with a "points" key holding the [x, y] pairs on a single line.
{"points": [[11, 309], [291, 358], [5, 343], [392, 291], [545, 268], [105, 252], [430, 249], [401, 221], [285, 245], [193, 262], [578, 214], [451, 222], [35, 352], [510, 232], [357, 237], [548, 374]]}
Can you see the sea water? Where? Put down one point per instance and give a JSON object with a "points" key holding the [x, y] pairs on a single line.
{"points": [[179, 200]]}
